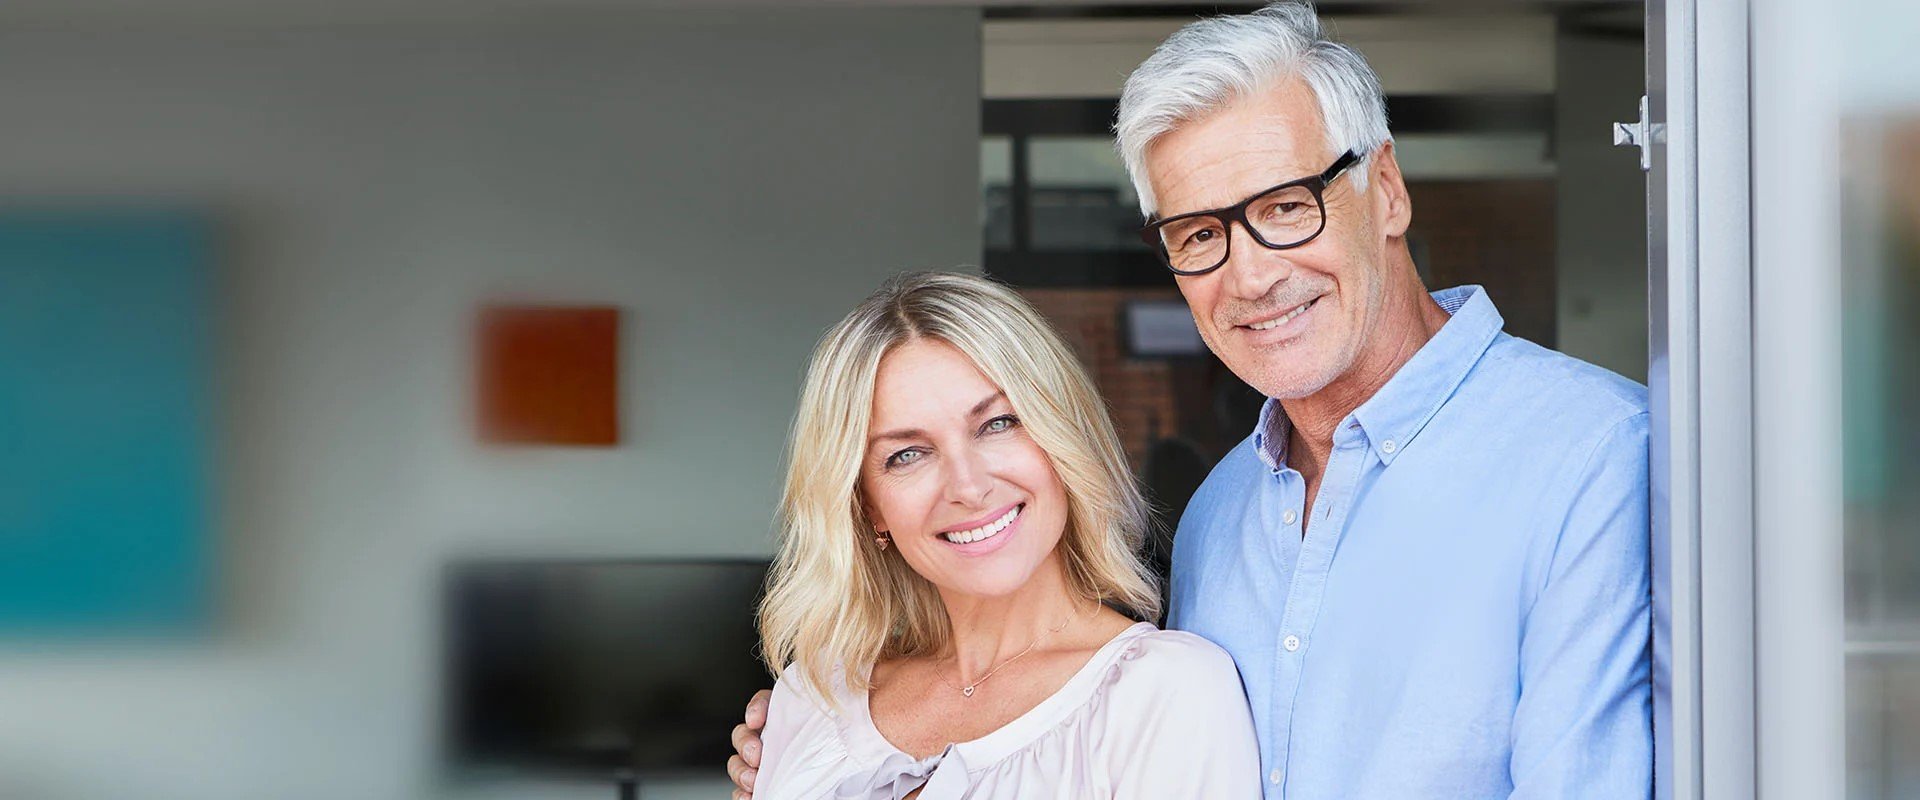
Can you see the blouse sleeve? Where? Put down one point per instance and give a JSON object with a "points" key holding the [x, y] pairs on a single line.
{"points": [[787, 712], [1192, 733]]}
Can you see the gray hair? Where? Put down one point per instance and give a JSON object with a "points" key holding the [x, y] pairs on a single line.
{"points": [[1211, 63]]}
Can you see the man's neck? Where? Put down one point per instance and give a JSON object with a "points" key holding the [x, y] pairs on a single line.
{"points": [[1413, 320]]}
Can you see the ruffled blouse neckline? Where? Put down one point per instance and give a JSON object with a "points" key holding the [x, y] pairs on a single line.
{"points": [[867, 744]]}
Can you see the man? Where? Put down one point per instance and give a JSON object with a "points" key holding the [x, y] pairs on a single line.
{"points": [[1430, 560]]}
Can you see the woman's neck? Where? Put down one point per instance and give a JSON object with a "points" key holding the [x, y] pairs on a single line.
{"points": [[987, 631]]}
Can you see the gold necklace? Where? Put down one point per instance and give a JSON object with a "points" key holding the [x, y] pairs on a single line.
{"points": [[967, 690]]}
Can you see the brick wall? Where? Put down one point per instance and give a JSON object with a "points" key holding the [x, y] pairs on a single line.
{"points": [[1498, 234], [1139, 393]]}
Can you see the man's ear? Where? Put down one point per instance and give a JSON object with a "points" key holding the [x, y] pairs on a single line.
{"points": [[1392, 205]]}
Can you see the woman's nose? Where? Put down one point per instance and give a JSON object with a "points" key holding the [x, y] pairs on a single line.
{"points": [[970, 478]]}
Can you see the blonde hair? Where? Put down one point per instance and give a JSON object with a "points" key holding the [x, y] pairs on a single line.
{"points": [[835, 600]]}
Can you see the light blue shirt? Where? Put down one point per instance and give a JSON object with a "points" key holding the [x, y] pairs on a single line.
{"points": [[1467, 615]]}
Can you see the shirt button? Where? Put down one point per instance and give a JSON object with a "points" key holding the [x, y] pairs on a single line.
{"points": [[1292, 643], [1289, 517], [1272, 777], [1388, 446]]}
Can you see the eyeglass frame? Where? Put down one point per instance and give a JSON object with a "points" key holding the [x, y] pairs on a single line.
{"points": [[1317, 184]]}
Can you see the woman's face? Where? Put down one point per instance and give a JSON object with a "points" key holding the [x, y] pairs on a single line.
{"points": [[971, 501]]}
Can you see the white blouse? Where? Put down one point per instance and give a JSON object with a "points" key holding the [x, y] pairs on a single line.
{"points": [[1154, 714]]}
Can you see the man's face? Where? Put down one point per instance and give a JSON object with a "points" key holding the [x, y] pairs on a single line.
{"points": [[1288, 322]]}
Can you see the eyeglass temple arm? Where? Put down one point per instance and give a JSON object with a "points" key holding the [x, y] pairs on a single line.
{"points": [[1340, 165]]}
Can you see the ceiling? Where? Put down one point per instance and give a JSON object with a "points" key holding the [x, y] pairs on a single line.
{"points": [[194, 12]]}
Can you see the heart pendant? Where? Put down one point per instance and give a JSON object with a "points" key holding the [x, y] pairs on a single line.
{"points": [[967, 691]]}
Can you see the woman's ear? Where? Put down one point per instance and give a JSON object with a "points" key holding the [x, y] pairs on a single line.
{"points": [[871, 514]]}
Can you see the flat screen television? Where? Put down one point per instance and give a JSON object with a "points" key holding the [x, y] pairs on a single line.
{"points": [[590, 669]]}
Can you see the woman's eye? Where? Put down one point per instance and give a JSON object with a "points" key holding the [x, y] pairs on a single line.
{"points": [[1002, 423], [903, 458]]}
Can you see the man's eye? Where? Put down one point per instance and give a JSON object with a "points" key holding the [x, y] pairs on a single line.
{"points": [[1285, 209], [1201, 236]]}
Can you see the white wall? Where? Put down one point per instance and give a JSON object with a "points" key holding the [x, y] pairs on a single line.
{"points": [[1600, 206], [734, 180], [1493, 51]]}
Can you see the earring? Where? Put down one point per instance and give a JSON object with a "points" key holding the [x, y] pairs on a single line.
{"points": [[883, 539]]}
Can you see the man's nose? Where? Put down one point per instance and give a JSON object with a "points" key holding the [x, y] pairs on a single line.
{"points": [[1252, 268]]}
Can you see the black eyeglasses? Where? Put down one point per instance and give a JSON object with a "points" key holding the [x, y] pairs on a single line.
{"points": [[1288, 215]]}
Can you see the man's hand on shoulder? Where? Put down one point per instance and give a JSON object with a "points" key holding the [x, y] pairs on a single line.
{"points": [[744, 766]]}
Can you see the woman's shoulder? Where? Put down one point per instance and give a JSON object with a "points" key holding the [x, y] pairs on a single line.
{"points": [[1157, 666], [804, 708], [1172, 683], [804, 750], [824, 694], [1172, 654]]}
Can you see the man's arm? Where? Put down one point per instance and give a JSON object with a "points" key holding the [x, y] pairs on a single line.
{"points": [[1584, 723], [744, 766]]}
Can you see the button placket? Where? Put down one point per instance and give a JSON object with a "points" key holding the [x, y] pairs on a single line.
{"points": [[1284, 550], [1308, 588]]}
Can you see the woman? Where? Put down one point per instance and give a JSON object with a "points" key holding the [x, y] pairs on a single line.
{"points": [[959, 544]]}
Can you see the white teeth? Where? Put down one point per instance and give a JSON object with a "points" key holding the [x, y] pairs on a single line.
{"points": [[1282, 320], [985, 531]]}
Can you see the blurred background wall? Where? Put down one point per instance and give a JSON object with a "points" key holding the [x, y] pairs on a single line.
{"points": [[733, 180], [1600, 210]]}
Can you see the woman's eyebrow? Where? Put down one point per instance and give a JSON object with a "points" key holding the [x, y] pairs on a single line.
{"points": [[904, 433], [915, 433], [982, 406]]}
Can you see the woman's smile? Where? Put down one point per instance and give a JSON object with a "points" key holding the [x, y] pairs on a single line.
{"points": [[981, 539]]}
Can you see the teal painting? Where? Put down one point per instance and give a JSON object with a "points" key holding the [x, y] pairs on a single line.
{"points": [[106, 390]]}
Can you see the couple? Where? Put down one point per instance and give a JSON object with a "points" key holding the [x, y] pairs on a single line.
{"points": [[1424, 574]]}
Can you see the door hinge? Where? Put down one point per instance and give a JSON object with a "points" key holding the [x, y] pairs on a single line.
{"points": [[1639, 134]]}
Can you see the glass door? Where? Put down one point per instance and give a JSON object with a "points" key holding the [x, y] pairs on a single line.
{"points": [[1783, 147], [1875, 98], [1694, 134]]}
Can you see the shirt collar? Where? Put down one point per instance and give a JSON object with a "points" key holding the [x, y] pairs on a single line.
{"points": [[1270, 435], [1393, 416]]}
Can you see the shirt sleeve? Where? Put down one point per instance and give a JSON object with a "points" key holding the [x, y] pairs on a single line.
{"points": [[1583, 727], [1191, 733]]}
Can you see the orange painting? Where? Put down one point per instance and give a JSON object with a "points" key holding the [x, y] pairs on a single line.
{"points": [[549, 375]]}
